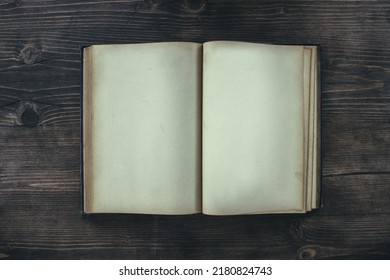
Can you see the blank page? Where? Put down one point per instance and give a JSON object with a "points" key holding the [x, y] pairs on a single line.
{"points": [[253, 135], [143, 127]]}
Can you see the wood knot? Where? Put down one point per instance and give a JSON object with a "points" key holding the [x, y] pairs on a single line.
{"points": [[307, 252], [27, 114], [30, 54], [18, 3], [194, 6], [30, 118]]}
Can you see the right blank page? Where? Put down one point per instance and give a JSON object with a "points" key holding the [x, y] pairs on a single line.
{"points": [[253, 129]]}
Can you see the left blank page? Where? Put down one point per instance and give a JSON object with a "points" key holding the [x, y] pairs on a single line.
{"points": [[142, 127]]}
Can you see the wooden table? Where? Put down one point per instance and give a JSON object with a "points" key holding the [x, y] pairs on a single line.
{"points": [[40, 201]]}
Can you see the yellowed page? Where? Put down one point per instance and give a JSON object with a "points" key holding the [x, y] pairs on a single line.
{"points": [[253, 128], [146, 122], [308, 112], [87, 129], [315, 90]]}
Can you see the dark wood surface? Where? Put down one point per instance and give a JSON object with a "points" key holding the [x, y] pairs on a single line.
{"points": [[40, 44]]}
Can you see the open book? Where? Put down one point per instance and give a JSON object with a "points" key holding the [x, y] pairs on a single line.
{"points": [[221, 128]]}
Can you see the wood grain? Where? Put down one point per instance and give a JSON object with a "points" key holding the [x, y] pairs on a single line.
{"points": [[40, 200]]}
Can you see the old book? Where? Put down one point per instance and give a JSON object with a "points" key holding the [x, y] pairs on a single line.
{"points": [[221, 128]]}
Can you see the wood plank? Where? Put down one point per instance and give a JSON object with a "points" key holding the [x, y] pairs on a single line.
{"points": [[355, 194], [348, 237]]}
